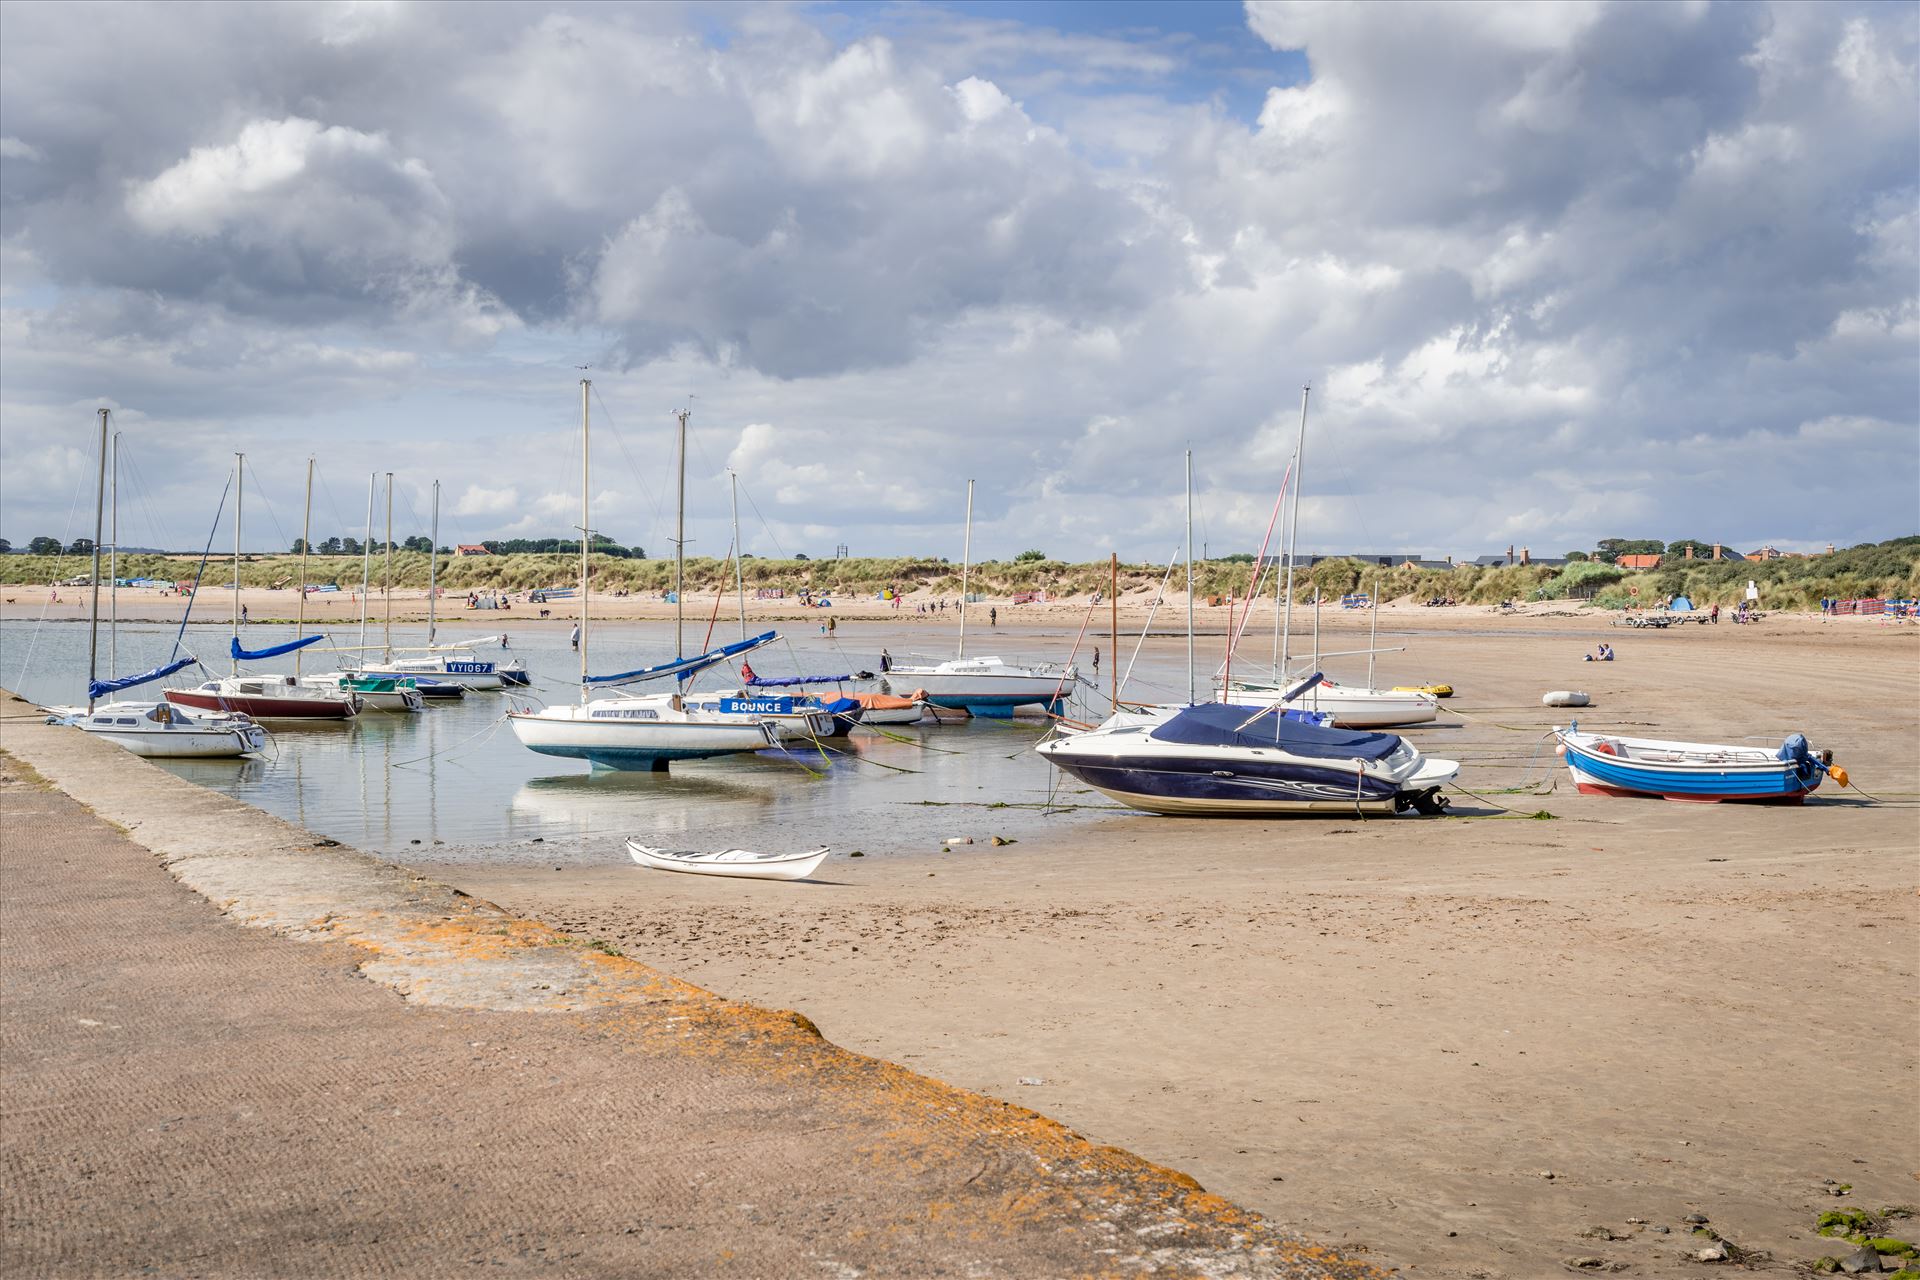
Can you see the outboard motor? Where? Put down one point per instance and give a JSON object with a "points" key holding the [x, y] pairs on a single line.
{"points": [[1797, 753]]}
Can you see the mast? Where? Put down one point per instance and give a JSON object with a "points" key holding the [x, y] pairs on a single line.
{"points": [[113, 569], [366, 567], [966, 562], [433, 560], [93, 614], [739, 577], [586, 454], [1190, 700], [1373, 636], [1316, 626], [239, 492], [386, 581], [1113, 625], [680, 547], [306, 537], [1293, 528]]}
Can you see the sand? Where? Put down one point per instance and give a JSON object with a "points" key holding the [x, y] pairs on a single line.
{"points": [[1461, 1044], [1388, 1034]]}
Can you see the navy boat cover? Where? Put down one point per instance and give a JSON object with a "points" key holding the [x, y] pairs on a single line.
{"points": [[247, 655], [101, 688], [1218, 725]]}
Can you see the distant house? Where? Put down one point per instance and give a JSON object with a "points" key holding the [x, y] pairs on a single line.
{"points": [[1640, 562], [1412, 563], [471, 549], [1364, 557]]}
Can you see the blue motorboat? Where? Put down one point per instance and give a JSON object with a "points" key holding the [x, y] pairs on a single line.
{"points": [[1700, 772]]}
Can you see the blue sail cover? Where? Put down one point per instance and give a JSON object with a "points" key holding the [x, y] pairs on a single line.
{"points": [[1218, 725], [685, 667], [101, 688], [247, 655], [781, 682]]}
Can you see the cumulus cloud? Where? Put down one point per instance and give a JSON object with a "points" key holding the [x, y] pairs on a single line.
{"points": [[1571, 267]]}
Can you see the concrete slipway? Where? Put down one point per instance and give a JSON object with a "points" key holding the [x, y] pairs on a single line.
{"points": [[379, 1075]]}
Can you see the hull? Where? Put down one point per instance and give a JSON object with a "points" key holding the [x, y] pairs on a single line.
{"points": [[985, 688], [1178, 788], [1701, 781], [739, 863], [468, 675], [183, 744], [1350, 708], [264, 706], [635, 745], [377, 693], [158, 731]]}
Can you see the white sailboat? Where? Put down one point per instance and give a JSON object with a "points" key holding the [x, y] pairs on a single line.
{"points": [[628, 732], [267, 697], [156, 730], [980, 686], [382, 691], [1351, 707]]}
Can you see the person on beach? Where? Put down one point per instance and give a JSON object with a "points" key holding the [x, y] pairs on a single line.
{"points": [[1096, 657], [576, 635], [886, 662], [993, 617], [243, 615]]}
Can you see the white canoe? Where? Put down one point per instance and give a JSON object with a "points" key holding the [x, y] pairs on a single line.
{"points": [[744, 863]]}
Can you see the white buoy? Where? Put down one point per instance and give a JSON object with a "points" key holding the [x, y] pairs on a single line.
{"points": [[1566, 698]]}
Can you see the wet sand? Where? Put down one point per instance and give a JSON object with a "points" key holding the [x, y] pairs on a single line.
{"points": [[1459, 1044]]}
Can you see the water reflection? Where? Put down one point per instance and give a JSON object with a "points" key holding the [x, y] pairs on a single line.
{"points": [[452, 783]]}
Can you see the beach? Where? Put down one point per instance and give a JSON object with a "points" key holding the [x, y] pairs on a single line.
{"points": [[1521, 1038], [1476, 1046]]}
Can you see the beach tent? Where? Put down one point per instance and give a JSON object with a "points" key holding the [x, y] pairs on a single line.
{"points": [[1681, 605]]}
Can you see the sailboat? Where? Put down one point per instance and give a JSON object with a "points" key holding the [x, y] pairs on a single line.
{"points": [[267, 697], [1352, 707], [453, 664], [156, 730], [637, 733], [382, 691], [990, 687]]}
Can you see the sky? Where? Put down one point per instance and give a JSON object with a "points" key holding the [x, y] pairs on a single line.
{"points": [[1554, 272]]}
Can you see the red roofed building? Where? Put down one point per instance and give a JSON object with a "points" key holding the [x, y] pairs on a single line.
{"points": [[1640, 562]]}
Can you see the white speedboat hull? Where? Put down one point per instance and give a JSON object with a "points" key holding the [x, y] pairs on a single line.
{"points": [[1136, 762]]}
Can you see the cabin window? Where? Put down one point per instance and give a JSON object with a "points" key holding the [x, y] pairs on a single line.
{"points": [[126, 720]]}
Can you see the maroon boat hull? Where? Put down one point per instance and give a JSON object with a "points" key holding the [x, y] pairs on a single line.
{"points": [[261, 707]]}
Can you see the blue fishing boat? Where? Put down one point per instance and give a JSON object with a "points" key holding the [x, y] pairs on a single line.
{"points": [[1699, 772]]}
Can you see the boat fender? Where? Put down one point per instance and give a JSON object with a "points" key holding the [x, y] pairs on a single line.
{"points": [[1838, 775], [1566, 698]]}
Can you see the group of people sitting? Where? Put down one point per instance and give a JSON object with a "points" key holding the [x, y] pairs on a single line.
{"points": [[1440, 602], [1605, 654]]}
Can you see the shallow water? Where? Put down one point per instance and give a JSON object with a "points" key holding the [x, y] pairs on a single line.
{"points": [[453, 784]]}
